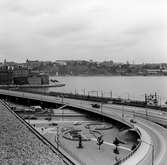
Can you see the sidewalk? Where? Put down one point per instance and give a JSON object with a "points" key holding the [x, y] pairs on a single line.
{"points": [[142, 151]]}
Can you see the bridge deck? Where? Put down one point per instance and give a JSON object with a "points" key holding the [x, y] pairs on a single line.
{"points": [[157, 133]]}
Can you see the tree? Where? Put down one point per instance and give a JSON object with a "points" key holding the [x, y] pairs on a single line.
{"points": [[80, 142], [100, 141], [116, 142]]}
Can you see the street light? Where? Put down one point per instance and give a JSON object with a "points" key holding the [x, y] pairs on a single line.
{"points": [[57, 138], [84, 91], [146, 113], [123, 111], [62, 96], [152, 146], [102, 112]]}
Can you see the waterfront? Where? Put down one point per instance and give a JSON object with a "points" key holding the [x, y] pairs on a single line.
{"points": [[133, 87]]}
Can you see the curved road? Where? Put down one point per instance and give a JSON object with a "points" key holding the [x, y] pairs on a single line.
{"points": [[157, 133]]}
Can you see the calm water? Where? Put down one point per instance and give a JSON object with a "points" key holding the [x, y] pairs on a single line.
{"points": [[121, 86]]}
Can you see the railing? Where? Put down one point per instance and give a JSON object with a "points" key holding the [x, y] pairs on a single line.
{"points": [[131, 153], [64, 158], [102, 113]]}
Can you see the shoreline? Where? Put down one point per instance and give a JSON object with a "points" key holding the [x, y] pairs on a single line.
{"points": [[102, 75]]}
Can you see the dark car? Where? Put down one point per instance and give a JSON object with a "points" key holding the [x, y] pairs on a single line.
{"points": [[95, 105]]}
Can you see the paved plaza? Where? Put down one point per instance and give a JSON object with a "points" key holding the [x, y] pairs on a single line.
{"points": [[90, 153]]}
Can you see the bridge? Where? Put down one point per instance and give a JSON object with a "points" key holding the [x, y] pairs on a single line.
{"points": [[153, 144]]}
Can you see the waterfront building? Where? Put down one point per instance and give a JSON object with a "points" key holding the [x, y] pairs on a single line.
{"points": [[5, 77], [19, 75]]}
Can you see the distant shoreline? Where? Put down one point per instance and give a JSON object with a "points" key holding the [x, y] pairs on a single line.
{"points": [[99, 75]]}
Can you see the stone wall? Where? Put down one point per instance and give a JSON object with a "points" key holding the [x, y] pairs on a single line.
{"points": [[19, 146]]}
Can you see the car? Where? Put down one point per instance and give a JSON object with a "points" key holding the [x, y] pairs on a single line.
{"points": [[132, 121], [36, 108], [95, 105], [77, 123]]}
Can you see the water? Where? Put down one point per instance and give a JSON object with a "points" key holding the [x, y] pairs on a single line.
{"points": [[133, 87]]}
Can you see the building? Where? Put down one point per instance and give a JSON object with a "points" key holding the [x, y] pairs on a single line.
{"points": [[38, 78], [5, 77], [19, 75]]}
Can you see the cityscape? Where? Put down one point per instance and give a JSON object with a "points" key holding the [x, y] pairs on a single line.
{"points": [[83, 82], [82, 67]]}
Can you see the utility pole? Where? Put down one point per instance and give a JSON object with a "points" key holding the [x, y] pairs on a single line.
{"points": [[152, 146], [146, 114], [62, 98], [102, 112], [57, 138], [84, 91], [152, 154], [111, 94], [122, 112], [101, 93]]}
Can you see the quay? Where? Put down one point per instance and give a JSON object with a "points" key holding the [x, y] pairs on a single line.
{"points": [[31, 86]]}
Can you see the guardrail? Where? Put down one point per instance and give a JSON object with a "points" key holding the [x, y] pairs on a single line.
{"points": [[104, 114], [156, 119], [132, 152], [61, 156]]}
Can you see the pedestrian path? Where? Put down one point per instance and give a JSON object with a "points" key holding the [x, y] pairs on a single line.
{"points": [[142, 151]]}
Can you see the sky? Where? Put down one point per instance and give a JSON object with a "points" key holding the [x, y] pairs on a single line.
{"points": [[118, 30]]}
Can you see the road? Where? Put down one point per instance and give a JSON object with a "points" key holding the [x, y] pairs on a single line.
{"points": [[157, 133]]}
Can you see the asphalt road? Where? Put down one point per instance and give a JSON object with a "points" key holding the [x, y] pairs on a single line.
{"points": [[157, 133]]}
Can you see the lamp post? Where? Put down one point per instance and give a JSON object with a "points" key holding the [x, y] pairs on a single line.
{"points": [[57, 138], [102, 94], [111, 94], [102, 112], [123, 112], [62, 98], [152, 146], [160, 100], [152, 151], [146, 113], [84, 91]]}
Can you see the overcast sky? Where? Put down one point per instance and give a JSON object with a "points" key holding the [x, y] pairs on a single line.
{"points": [[119, 30]]}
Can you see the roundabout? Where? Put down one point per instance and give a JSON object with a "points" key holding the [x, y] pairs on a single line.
{"points": [[81, 139]]}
